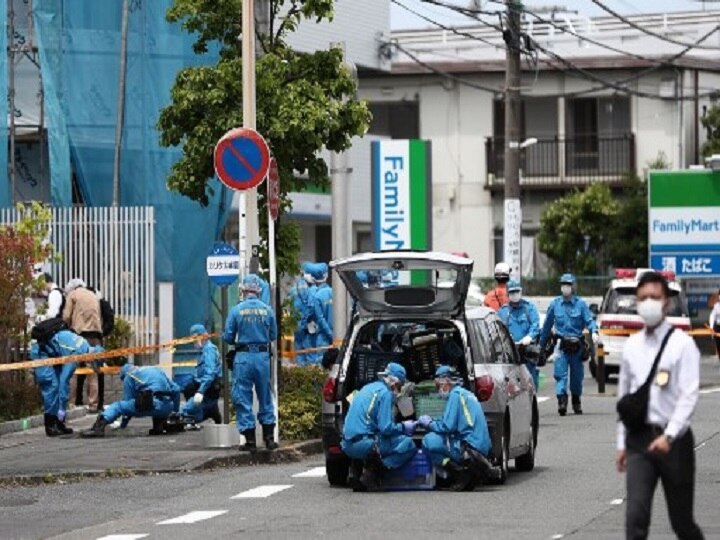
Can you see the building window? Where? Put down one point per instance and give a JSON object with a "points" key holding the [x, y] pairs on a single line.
{"points": [[396, 119]]}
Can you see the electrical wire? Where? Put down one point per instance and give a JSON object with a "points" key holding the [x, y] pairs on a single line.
{"points": [[636, 26]]}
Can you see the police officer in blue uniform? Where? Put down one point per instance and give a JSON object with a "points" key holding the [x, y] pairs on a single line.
{"points": [[522, 319], [301, 297], [147, 391], [205, 387], [251, 327], [370, 432], [569, 315], [322, 310]]}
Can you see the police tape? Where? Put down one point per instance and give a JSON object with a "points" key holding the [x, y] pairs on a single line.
{"points": [[114, 370], [91, 357], [293, 353]]}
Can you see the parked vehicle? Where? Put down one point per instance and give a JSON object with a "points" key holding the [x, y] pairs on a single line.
{"points": [[416, 316], [618, 314]]}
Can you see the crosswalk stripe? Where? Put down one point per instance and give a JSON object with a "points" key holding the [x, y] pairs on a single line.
{"points": [[193, 517], [542, 399], [261, 492], [317, 472], [123, 537]]}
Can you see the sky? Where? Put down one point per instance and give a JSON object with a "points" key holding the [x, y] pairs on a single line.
{"points": [[401, 19]]}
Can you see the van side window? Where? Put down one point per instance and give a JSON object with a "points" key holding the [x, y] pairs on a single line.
{"points": [[508, 352], [489, 341], [480, 340]]}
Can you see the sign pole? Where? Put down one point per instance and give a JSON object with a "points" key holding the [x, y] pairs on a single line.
{"points": [[223, 352], [249, 121]]}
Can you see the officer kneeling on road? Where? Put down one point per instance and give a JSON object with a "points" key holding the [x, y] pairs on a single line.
{"points": [[147, 391], [370, 432], [459, 442], [203, 392]]}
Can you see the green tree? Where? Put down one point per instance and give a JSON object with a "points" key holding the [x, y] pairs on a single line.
{"points": [[711, 122], [304, 103], [575, 229], [627, 244]]}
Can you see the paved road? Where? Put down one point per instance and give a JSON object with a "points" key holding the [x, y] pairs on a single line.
{"points": [[574, 492]]}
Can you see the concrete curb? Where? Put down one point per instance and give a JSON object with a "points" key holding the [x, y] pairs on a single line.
{"points": [[22, 424], [286, 454]]}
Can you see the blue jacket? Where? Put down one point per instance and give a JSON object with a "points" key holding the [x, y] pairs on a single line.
{"points": [[66, 343], [147, 378], [250, 321], [264, 291], [371, 412], [570, 317], [522, 320], [464, 420], [208, 367], [323, 310]]}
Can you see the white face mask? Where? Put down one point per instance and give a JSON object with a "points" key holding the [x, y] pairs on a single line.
{"points": [[515, 296], [566, 290], [651, 311]]}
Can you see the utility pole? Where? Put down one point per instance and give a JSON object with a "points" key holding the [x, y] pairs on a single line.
{"points": [[512, 210], [121, 102]]}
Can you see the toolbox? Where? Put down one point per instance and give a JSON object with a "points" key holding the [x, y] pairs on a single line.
{"points": [[417, 474]]}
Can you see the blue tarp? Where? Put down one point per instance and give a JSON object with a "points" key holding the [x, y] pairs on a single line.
{"points": [[79, 45]]}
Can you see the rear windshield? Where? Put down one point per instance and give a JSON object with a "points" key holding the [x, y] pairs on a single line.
{"points": [[622, 301], [382, 279]]}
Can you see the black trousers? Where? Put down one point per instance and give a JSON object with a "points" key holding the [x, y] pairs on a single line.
{"points": [[676, 472]]}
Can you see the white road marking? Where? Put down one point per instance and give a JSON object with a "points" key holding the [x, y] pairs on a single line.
{"points": [[193, 517], [555, 537], [317, 472], [123, 537], [542, 399], [261, 492], [616, 502], [710, 390]]}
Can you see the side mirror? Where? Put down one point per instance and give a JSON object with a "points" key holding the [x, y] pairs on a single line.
{"points": [[594, 309], [329, 357]]}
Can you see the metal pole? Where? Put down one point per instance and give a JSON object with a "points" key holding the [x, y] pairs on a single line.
{"points": [[512, 210], [223, 352], [600, 354], [11, 92], [121, 102], [249, 118]]}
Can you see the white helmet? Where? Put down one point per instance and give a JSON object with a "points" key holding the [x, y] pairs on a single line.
{"points": [[502, 270]]}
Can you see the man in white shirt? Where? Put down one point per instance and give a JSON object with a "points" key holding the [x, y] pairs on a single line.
{"points": [[55, 298], [664, 449], [714, 322]]}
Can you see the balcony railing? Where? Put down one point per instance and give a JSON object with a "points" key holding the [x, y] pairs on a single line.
{"points": [[563, 162]]}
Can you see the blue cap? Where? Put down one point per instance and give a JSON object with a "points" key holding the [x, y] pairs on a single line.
{"points": [[395, 370], [514, 285], [305, 267], [197, 330], [251, 283], [445, 371], [125, 369], [319, 271], [567, 278]]}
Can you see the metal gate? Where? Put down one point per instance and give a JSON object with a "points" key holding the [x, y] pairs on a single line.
{"points": [[113, 250]]}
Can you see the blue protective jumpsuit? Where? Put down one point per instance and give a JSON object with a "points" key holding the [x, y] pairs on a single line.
{"points": [[264, 291], [251, 326], [166, 394], [300, 297], [522, 320], [207, 370], [323, 315], [570, 317], [463, 421], [369, 423], [54, 381]]}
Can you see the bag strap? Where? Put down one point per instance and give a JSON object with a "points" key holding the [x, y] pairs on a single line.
{"points": [[657, 357]]}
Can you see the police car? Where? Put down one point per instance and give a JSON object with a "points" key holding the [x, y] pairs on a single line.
{"points": [[618, 314]]}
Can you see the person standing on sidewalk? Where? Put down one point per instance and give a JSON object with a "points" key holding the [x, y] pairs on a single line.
{"points": [[82, 315], [55, 298], [714, 322], [664, 448]]}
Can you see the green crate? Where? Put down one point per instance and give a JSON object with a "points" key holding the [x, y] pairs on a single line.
{"points": [[432, 405], [424, 388]]}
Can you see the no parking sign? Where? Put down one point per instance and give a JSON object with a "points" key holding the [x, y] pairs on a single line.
{"points": [[242, 159]]}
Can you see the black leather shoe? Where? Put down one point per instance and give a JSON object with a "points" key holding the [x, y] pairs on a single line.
{"points": [[51, 425], [250, 444], [576, 405], [269, 437], [562, 404]]}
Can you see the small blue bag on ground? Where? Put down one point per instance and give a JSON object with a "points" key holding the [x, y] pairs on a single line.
{"points": [[417, 474]]}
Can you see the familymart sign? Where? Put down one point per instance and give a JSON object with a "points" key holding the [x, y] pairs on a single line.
{"points": [[684, 222], [401, 195]]}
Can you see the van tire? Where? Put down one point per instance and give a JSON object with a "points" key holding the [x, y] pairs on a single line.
{"points": [[526, 462], [337, 469], [503, 460]]}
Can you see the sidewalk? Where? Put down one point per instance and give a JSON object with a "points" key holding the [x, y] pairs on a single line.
{"points": [[31, 456]]}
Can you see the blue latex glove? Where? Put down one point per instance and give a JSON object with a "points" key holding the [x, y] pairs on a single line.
{"points": [[425, 420], [409, 427]]}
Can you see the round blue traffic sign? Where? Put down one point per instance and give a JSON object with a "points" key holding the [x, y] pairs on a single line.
{"points": [[242, 159], [223, 264]]}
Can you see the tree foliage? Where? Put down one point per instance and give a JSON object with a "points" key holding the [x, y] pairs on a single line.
{"points": [[305, 103], [711, 122]]}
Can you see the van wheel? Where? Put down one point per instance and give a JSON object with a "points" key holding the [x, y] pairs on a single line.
{"points": [[337, 469], [503, 460]]}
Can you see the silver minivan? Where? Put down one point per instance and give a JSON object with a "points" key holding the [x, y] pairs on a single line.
{"points": [[409, 307]]}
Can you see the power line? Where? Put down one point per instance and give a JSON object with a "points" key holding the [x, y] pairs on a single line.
{"points": [[636, 26]]}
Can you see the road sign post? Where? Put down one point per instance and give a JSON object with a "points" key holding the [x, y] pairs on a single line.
{"points": [[273, 186]]}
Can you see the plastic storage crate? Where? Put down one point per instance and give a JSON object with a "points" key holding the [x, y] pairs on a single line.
{"points": [[425, 355], [417, 474], [367, 364], [429, 404]]}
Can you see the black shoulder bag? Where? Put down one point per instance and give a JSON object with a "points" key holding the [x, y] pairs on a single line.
{"points": [[633, 407]]}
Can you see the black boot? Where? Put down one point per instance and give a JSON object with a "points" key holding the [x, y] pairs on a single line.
{"points": [[269, 436], [98, 429], [460, 477], [158, 426], [481, 466], [62, 427], [250, 444], [371, 478], [562, 404], [215, 415], [576, 405], [51, 425]]}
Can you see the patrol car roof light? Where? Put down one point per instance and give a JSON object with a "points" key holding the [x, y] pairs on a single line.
{"points": [[667, 274], [625, 273]]}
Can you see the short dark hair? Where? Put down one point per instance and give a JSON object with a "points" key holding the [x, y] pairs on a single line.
{"points": [[654, 277], [48, 277]]}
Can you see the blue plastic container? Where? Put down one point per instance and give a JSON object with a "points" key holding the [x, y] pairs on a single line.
{"points": [[416, 475]]}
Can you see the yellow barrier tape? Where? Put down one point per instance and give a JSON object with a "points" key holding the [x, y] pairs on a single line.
{"points": [[114, 370], [90, 357], [293, 354]]}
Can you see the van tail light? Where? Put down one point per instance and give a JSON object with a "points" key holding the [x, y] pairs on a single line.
{"points": [[334, 450], [329, 390], [484, 387], [612, 324]]}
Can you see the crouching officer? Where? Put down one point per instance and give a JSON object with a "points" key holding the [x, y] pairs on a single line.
{"points": [[570, 315], [251, 327], [203, 392], [460, 441], [147, 391], [522, 319], [370, 432], [54, 381]]}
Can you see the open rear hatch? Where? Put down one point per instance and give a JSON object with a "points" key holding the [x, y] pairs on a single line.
{"points": [[399, 283]]}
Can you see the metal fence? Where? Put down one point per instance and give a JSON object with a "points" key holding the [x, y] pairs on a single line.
{"points": [[111, 249]]}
